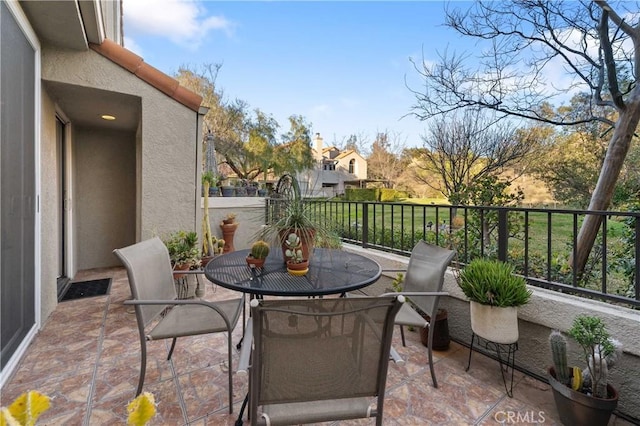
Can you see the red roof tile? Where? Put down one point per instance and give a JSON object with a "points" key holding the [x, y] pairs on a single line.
{"points": [[156, 78]]}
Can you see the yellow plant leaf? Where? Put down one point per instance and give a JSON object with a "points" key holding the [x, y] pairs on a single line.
{"points": [[6, 419], [141, 409], [28, 407], [576, 380]]}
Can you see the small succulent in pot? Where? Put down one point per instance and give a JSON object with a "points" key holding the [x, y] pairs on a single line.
{"points": [[293, 252], [183, 249], [229, 219]]}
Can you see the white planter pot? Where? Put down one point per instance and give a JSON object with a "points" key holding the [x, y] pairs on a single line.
{"points": [[495, 324]]}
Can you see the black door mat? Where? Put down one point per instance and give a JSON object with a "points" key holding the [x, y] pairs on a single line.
{"points": [[83, 289]]}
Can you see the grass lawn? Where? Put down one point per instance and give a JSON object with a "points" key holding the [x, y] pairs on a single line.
{"points": [[401, 224]]}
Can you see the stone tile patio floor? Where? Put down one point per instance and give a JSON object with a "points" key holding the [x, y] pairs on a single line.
{"points": [[86, 358]]}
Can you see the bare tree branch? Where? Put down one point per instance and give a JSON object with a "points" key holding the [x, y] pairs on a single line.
{"points": [[527, 41]]}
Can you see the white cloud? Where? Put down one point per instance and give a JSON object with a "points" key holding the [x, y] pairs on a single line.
{"points": [[183, 22], [130, 44]]}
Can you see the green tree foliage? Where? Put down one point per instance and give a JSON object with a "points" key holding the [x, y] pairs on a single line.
{"points": [[595, 43], [246, 145], [482, 226], [571, 168], [571, 162], [246, 140], [294, 153]]}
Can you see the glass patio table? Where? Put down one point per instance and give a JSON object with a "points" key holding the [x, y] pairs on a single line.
{"points": [[331, 271]]}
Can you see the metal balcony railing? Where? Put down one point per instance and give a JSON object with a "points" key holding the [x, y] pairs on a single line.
{"points": [[537, 242]]}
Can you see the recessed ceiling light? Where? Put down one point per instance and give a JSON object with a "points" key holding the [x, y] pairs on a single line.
{"points": [[108, 117]]}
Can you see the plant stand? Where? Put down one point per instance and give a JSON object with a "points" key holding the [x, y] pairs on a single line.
{"points": [[182, 287], [228, 231], [501, 349]]}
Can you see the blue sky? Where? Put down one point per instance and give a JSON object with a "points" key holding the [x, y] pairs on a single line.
{"points": [[341, 65]]}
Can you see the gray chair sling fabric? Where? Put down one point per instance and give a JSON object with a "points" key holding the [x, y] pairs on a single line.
{"points": [[423, 287], [160, 315], [317, 360]]}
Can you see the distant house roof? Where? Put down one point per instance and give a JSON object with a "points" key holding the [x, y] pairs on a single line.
{"points": [[346, 153], [156, 78]]}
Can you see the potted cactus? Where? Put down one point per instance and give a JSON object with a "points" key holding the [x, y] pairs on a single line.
{"points": [[583, 395], [208, 240], [258, 254]]}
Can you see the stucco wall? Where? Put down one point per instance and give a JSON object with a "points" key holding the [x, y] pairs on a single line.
{"points": [[49, 215], [548, 310], [169, 172], [169, 139], [249, 214], [105, 194]]}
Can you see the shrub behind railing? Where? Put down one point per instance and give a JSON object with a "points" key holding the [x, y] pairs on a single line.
{"points": [[537, 242]]}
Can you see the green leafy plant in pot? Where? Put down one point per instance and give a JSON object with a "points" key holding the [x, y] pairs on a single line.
{"points": [[295, 215], [495, 293], [583, 395], [183, 250]]}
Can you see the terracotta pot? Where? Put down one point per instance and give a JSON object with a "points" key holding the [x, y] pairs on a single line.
{"points": [[306, 242], [204, 260], [228, 231], [183, 267], [577, 408], [440, 327], [298, 268], [257, 263]]}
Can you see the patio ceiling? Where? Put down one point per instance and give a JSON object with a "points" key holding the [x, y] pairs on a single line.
{"points": [[84, 106], [78, 18]]}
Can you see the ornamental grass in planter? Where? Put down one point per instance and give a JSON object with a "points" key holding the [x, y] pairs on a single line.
{"points": [[296, 215], [583, 395], [495, 293]]}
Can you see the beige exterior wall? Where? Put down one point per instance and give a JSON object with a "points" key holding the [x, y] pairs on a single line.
{"points": [[169, 174], [167, 145], [50, 238], [104, 164], [360, 169], [249, 215]]}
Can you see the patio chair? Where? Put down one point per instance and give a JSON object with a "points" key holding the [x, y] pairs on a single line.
{"points": [[317, 360], [423, 287], [160, 315]]}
